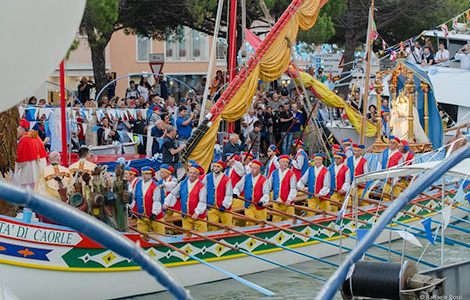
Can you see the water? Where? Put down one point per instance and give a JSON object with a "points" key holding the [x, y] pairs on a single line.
{"points": [[290, 285]]}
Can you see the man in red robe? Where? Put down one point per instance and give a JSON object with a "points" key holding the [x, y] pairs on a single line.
{"points": [[31, 156]]}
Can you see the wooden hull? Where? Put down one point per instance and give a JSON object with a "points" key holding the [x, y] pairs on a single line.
{"points": [[40, 261]]}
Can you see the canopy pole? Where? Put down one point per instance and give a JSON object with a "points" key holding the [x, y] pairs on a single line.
{"points": [[366, 84], [211, 59], [63, 115]]}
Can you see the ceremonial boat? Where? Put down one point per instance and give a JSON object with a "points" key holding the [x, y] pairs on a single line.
{"points": [[56, 262]]}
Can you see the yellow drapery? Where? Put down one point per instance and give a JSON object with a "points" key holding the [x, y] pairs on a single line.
{"points": [[333, 100], [270, 67]]}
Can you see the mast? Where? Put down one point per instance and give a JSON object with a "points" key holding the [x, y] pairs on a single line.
{"points": [[63, 115], [232, 64], [366, 85]]}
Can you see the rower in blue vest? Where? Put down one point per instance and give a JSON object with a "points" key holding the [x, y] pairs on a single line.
{"points": [[340, 179], [348, 149], [300, 160], [147, 202], [284, 186], [317, 179]]}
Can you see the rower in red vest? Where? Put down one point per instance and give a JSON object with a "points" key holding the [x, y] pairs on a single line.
{"points": [[190, 197], [391, 157], [202, 172], [317, 179], [284, 187], [273, 162], [256, 189], [147, 202], [348, 149], [300, 160], [340, 179], [131, 177], [167, 182], [358, 165], [408, 155], [235, 171], [219, 194]]}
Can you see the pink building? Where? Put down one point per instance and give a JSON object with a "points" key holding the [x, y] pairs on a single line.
{"points": [[186, 60]]}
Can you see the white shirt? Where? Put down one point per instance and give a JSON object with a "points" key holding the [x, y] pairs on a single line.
{"points": [[227, 202], [464, 60], [266, 188], [171, 199], [249, 120], [326, 180], [444, 54], [298, 162], [143, 91], [366, 164], [347, 178], [292, 186], [416, 59], [169, 184]]}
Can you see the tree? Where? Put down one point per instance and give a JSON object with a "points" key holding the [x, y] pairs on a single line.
{"points": [[396, 20]]}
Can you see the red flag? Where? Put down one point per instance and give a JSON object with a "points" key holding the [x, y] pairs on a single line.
{"points": [[393, 55], [445, 29], [374, 34]]}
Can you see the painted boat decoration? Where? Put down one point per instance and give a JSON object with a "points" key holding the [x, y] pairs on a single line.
{"points": [[75, 267]]}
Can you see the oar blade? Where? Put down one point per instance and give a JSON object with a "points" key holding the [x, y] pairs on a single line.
{"points": [[233, 276]]}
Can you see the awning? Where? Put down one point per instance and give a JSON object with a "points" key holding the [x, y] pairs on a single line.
{"points": [[462, 170]]}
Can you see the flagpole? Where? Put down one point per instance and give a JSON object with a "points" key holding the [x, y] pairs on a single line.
{"points": [[366, 85]]}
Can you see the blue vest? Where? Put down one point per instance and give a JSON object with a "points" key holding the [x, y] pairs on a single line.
{"points": [[312, 179], [332, 178], [276, 184], [248, 189], [210, 189], [139, 197], [350, 165], [385, 159], [305, 165], [184, 195]]}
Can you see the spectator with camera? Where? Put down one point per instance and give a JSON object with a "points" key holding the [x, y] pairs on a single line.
{"points": [[464, 56], [84, 89]]}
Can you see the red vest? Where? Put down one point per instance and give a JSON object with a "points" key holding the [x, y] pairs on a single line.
{"points": [[409, 157], [258, 191], [341, 177], [319, 180], [272, 167], [191, 199], [234, 177], [220, 191], [148, 201], [285, 185], [394, 159], [359, 169]]}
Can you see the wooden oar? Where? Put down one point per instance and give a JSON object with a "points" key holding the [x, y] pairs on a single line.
{"points": [[241, 250], [280, 141], [233, 276], [249, 150], [269, 242]]}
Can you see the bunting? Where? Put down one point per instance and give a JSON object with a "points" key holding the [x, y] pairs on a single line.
{"points": [[445, 29], [427, 228]]}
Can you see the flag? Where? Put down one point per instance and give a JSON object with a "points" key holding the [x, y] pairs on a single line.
{"points": [[374, 34], [454, 23], [361, 233], [411, 41], [434, 31], [384, 45], [445, 29], [95, 128], [393, 55], [410, 238], [427, 228], [446, 212], [460, 195], [343, 207]]}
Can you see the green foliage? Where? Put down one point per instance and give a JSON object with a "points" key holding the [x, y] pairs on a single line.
{"points": [[72, 48], [99, 19]]}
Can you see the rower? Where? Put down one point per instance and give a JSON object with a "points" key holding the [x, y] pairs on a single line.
{"points": [[408, 155], [335, 148], [189, 197], [284, 187], [348, 149], [131, 177], [358, 165], [256, 189], [300, 161], [247, 158], [340, 179], [147, 202], [273, 162], [317, 179], [391, 157], [202, 171], [219, 194], [235, 171], [167, 182]]}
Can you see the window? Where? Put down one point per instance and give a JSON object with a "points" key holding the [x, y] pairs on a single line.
{"points": [[144, 48], [192, 45], [222, 47]]}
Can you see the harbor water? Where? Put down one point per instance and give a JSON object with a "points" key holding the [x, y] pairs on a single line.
{"points": [[289, 285]]}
